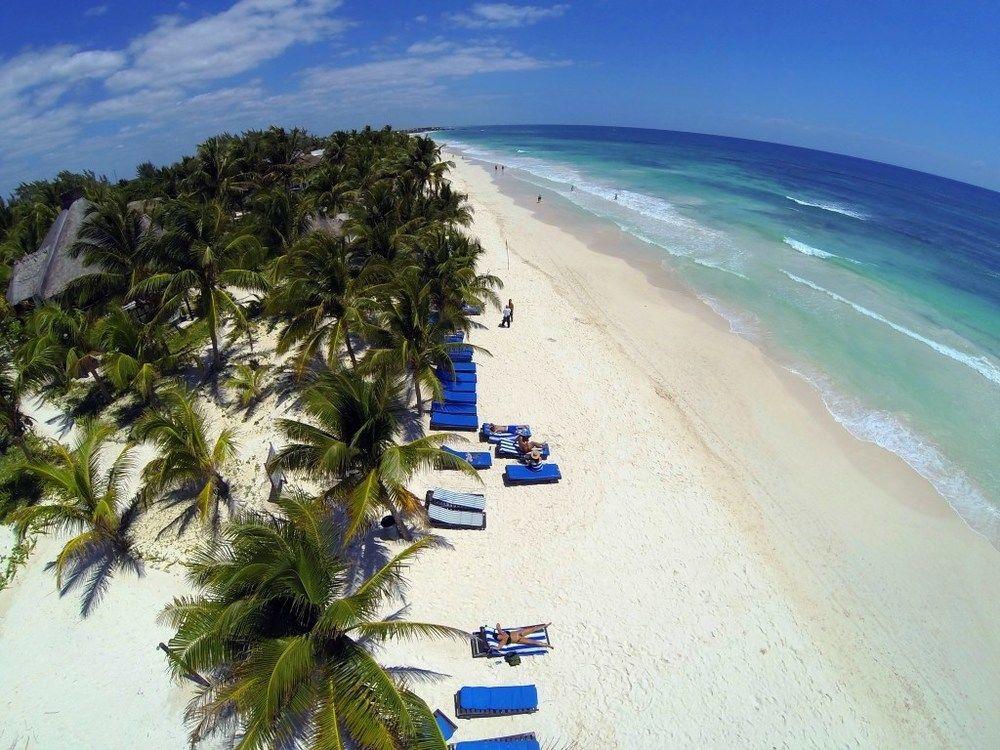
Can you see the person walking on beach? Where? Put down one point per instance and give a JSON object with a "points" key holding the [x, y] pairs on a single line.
{"points": [[539, 200], [506, 315], [510, 305]]}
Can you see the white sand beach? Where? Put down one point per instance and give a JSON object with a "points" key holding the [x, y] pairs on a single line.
{"points": [[723, 565]]}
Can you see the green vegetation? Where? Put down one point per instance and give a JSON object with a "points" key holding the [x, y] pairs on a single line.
{"points": [[356, 261]]}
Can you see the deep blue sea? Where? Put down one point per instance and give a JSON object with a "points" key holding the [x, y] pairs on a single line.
{"points": [[879, 285]]}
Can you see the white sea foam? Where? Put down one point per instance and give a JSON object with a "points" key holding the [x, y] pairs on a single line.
{"points": [[741, 323], [815, 251], [836, 208], [982, 365], [891, 433]]}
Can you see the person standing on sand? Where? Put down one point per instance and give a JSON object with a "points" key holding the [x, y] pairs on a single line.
{"points": [[505, 319], [510, 305], [539, 200]]}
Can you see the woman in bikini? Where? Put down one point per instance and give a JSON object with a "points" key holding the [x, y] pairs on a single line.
{"points": [[518, 636]]}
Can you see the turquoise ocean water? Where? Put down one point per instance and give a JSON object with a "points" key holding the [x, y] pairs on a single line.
{"points": [[878, 285]]}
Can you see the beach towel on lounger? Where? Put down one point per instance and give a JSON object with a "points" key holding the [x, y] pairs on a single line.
{"points": [[508, 449], [519, 474], [477, 459], [513, 430], [459, 500], [445, 421]]}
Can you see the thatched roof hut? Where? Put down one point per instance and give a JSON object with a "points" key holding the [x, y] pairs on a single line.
{"points": [[46, 272]]}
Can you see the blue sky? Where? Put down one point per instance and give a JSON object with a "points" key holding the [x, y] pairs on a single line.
{"points": [[105, 84]]}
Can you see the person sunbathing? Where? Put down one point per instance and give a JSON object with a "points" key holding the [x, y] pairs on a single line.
{"points": [[490, 427], [526, 446], [518, 636]]}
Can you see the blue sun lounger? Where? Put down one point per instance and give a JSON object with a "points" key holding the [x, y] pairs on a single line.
{"points": [[461, 386], [443, 421], [508, 449], [460, 354], [509, 700], [467, 367], [472, 309], [485, 643], [442, 408], [496, 437], [513, 742], [446, 725], [520, 474], [456, 377], [457, 500], [459, 397], [476, 459], [455, 338]]}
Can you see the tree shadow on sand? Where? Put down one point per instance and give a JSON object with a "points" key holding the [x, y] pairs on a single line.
{"points": [[91, 569]]}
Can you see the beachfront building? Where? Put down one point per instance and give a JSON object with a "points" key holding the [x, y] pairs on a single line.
{"points": [[43, 274]]}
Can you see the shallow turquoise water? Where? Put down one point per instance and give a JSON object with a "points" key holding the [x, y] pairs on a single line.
{"points": [[879, 285]]}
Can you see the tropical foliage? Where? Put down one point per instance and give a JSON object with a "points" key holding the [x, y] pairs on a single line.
{"points": [[353, 245], [284, 639], [87, 500]]}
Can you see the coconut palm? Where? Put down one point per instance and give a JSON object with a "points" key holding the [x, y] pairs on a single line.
{"points": [[136, 355], [110, 240], [351, 443], [188, 461], [378, 225], [409, 335], [448, 265], [283, 640], [218, 174], [22, 372], [198, 252], [86, 499], [422, 161], [248, 383], [322, 294]]}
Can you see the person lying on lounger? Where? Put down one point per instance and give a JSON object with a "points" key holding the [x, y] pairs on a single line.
{"points": [[518, 636], [527, 446]]}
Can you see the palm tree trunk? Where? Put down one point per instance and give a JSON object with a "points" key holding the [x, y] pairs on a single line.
{"points": [[401, 527], [420, 399], [350, 349], [215, 349]]}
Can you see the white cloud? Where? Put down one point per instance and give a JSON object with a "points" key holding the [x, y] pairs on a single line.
{"points": [[97, 10], [67, 107], [505, 15], [225, 44], [431, 47]]}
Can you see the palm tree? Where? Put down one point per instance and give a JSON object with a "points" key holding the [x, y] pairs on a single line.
{"points": [[448, 265], [87, 500], [136, 355], [218, 174], [285, 640], [351, 442], [423, 162], [111, 241], [378, 225], [198, 252], [322, 295], [29, 368], [188, 460], [248, 383], [410, 334]]}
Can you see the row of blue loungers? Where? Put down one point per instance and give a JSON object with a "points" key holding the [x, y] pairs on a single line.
{"points": [[477, 702], [463, 510]]}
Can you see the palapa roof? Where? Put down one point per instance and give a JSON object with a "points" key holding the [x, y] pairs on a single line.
{"points": [[46, 272]]}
